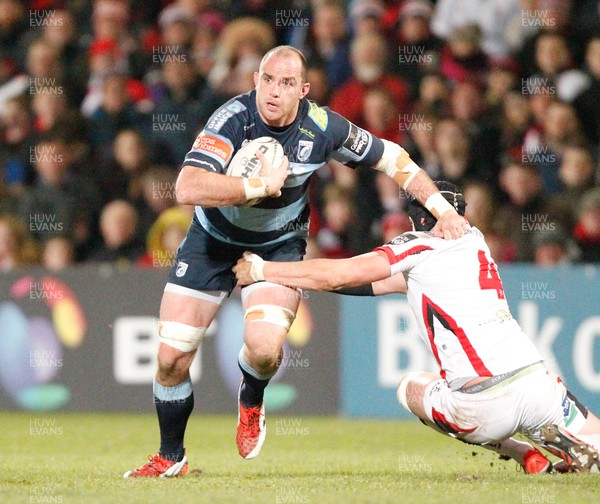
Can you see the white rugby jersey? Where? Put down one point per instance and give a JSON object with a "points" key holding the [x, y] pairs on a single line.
{"points": [[457, 297]]}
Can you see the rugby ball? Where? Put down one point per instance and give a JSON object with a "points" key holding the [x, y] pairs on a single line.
{"points": [[245, 162]]}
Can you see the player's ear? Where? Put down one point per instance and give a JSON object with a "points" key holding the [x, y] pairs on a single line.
{"points": [[255, 79], [304, 89]]}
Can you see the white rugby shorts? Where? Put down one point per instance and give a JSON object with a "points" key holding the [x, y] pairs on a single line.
{"points": [[522, 403]]}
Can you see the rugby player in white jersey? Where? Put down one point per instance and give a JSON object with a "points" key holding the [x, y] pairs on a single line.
{"points": [[492, 382], [275, 228]]}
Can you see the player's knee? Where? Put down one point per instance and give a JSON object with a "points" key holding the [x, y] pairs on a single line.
{"points": [[265, 360], [182, 337], [407, 392], [272, 314]]}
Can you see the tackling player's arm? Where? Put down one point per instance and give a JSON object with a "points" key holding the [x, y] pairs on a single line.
{"points": [[210, 189], [398, 165], [315, 274]]}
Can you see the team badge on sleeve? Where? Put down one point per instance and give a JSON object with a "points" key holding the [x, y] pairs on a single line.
{"points": [[358, 141]]}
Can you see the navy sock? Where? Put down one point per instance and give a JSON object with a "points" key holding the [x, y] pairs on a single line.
{"points": [[173, 412], [252, 390]]}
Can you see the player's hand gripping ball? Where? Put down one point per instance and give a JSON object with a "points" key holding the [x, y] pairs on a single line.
{"points": [[247, 164]]}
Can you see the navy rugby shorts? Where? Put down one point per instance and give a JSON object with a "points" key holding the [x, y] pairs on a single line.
{"points": [[204, 263]]}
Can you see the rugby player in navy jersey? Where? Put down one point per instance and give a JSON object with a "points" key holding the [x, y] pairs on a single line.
{"points": [[275, 229]]}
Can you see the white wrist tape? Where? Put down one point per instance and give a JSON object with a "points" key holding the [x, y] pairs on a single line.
{"points": [[387, 163], [256, 187], [438, 205], [257, 265]]}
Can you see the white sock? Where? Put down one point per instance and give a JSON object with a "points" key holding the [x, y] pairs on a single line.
{"points": [[510, 447]]}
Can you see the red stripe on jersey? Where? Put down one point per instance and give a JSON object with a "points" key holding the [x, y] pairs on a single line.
{"points": [[430, 309], [396, 258], [428, 320], [446, 425]]}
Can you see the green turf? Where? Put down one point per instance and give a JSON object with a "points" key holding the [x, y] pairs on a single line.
{"points": [[68, 458]]}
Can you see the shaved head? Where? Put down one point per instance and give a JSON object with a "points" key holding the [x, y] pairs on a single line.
{"points": [[286, 50]]}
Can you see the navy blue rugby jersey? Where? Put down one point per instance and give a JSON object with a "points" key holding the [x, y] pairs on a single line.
{"points": [[316, 135]]}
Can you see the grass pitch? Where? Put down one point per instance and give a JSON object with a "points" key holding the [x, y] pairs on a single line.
{"points": [[75, 458]]}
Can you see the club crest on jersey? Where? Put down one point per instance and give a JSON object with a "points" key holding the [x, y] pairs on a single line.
{"points": [[305, 147], [181, 269]]}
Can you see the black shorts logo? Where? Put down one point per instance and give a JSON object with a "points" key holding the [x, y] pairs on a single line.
{"points": [[357, 141]]}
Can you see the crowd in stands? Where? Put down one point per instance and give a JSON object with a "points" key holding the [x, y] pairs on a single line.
{"points": [[101, 100]]}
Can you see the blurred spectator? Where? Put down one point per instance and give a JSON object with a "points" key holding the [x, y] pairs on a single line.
{"points": [[58, 253], [17, 138], [576, 174], [554, 62], [587, 227], [115, 114], [433, 96], [365, 16], [481, 205], [326, 41], [506, 97], [158, 194], [119, 230], [205, 47], [527, 211], [241, 46], [420, 142], [551, 249], [538, 18], [470, 110], [44, 66], [47, 106], [176, 117], [338, 215], [121, 176], [60, 32], [60, 201], [319, 91], [453, 152], [102, 62], [515, 120], [13, 23], [587, 103], [12, 82], [380, 114], [560, 130], [501, 79], [17, 249], [418, 48], [496, 19], [111, 21], [165, 236], [369, 58], [462, 58], [176, 28]]}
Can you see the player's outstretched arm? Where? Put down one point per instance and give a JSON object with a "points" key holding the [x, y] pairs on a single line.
{"points": [[200, 187], [314, 274], [397, 164]]}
